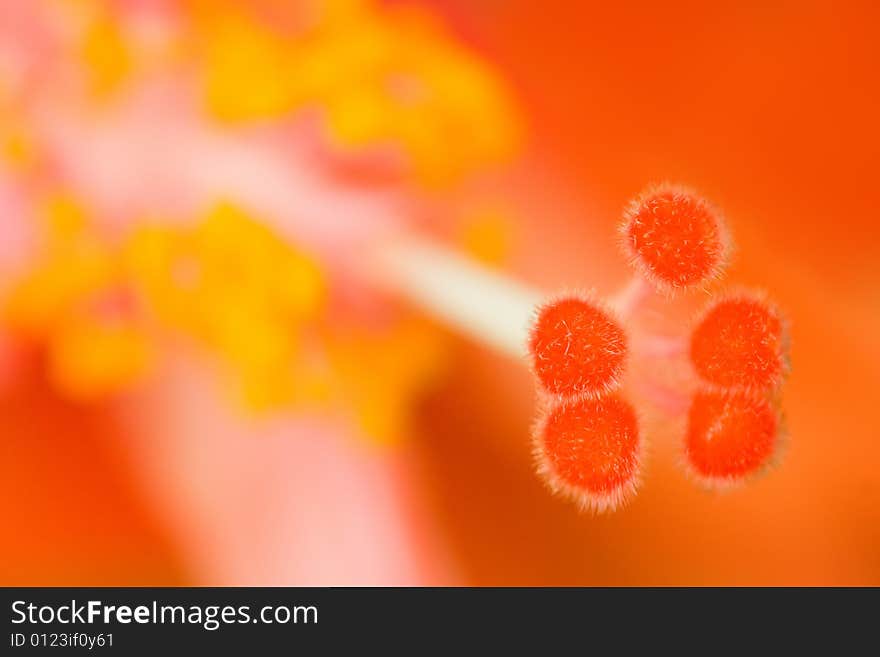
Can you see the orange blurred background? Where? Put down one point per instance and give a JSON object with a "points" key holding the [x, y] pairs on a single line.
{"points": [[769, 109]]}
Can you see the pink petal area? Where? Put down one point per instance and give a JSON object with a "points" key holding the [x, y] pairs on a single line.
{"points": [[152, 155], [292, 500], [17, 234], [29, 41]]}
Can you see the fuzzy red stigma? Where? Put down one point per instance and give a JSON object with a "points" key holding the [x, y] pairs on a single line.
{"points": [[740, 343], [577, 348], [730, 435], [675, 237], [590, 451]]}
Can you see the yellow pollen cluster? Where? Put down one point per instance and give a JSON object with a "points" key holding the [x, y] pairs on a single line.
{"points": [[103, 304], [103, 310], [378, 77], [230, 282], [74, 301], [227, 281]]}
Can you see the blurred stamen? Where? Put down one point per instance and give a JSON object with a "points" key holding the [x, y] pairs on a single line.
{"points": [[465, 295]]}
